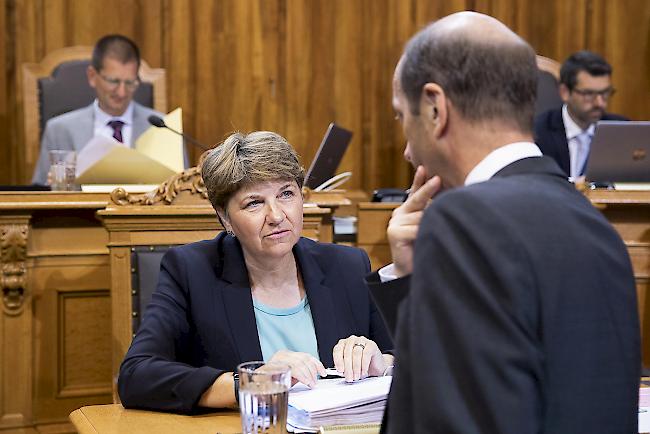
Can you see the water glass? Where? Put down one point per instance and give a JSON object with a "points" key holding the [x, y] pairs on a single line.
{"points": [[264, 397], [62, 170]]}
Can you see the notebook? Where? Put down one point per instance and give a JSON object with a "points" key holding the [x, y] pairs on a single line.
{"points": [[329, 155], [620, 152]]}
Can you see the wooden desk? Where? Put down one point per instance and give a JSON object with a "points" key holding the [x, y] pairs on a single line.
{"points": [[55, 325], [57, 337], [115, 419], [372, 221], [627, 211]]}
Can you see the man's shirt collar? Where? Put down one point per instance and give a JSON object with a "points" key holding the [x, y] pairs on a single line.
{"points": [[102, 118], [572, 129], [500, 158]]}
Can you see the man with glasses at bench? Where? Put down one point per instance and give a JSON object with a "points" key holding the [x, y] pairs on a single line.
{"points": [[565, 133], [113, 73]]}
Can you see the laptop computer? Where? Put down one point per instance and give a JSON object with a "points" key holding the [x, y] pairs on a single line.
{"points": [[329, 155], [620, 152]]}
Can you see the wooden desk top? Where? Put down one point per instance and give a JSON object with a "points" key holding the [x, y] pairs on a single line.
{"points": [[115, 419], [35, 200]]}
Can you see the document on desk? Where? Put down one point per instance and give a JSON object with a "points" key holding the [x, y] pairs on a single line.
{"points": [[644, 410], [335, 402], [163, 145], [158, 154], [103, 162], [632, 186]]}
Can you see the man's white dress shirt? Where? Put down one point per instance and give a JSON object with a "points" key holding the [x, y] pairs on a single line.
{"points": [[579, 141]]}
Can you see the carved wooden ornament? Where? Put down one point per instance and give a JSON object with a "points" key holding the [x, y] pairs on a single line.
{"points": [[13, 254], [188, 180]]}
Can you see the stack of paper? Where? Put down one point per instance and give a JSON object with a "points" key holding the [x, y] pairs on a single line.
{"points": [[335, 402], [644, 409]]}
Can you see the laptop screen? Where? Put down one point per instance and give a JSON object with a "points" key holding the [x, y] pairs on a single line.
{"points": [[620, 152], [329, 155]]}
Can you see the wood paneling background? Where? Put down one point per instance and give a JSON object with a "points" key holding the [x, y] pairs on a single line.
{"points": [[295, 65]]}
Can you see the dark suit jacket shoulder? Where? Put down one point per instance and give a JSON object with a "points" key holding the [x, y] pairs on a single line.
{"points": [[550, 136], [521, 316], [200, 322]]}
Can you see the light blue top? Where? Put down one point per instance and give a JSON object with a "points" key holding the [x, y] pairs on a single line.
{"points": [[285, 329]]}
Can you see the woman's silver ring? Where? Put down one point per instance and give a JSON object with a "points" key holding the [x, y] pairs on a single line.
{"points": [[359, 344]]}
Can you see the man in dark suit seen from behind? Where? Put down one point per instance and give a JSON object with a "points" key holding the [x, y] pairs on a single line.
{"points": [[518, 311], [565, 133]]}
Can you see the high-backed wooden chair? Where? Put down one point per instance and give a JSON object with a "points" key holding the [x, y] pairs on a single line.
{"points": [[548, 79], [58, 84]]}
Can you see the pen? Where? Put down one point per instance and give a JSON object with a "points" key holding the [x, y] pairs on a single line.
{"points": [[331, 374]]}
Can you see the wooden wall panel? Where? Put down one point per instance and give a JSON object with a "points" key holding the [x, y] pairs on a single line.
{"points": [[625, 27], [6, 145], [382, 140], [295, 65], [84, 323], [72, 355]]}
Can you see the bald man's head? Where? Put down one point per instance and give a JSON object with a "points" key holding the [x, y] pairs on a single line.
{"points": [[477, 27], [486, 70]]}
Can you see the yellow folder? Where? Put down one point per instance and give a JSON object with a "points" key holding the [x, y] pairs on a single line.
{"points": [[158, 154]]}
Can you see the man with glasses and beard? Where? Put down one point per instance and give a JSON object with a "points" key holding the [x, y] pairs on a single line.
{"points": [[565, 133], [113, 73]]}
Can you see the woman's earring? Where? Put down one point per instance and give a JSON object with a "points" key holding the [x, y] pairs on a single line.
{"points": [[231, 233]]}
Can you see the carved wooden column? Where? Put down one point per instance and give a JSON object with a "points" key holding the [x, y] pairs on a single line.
{"points": [[15, 324]]}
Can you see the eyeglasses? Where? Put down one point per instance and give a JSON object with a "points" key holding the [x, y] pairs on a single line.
{"points": [[114, 83], [589, 95]]}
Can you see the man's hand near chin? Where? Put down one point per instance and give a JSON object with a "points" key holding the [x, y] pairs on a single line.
{"points": [[405, 221]]}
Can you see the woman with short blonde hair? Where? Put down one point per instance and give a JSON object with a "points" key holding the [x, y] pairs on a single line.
{"points": [[258, 291]]}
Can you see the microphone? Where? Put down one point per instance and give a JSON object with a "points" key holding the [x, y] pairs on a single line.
{"points": [[157, 121]]}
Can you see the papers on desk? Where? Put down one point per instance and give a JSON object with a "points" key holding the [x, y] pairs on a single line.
{"points": [[158, 154], [630, 186], [644, 410], [163, 145], [335, 402], [116, 164]]}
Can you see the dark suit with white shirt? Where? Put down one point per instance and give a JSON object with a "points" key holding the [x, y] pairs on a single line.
{"points": [[520, 316]]}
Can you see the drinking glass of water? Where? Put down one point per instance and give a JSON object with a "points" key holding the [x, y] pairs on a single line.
{"points": [[62, 170], [263, 397]]}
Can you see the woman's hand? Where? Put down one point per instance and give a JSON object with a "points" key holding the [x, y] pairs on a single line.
{"points": [[304, 367], [358, 357]]}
